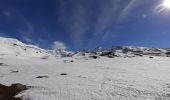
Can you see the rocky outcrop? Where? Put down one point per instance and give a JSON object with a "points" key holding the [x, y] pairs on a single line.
{"points": [[9, 92]]}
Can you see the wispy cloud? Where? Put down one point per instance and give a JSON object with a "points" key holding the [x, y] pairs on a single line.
{"points": [[28, 26], [75, 19], [127, 9], [14, 14], [144, 16], [27, 39], [27, 30], [58, 45], [24, 26], [6, 13], [109, 11], [109, 36], [79, 17]]}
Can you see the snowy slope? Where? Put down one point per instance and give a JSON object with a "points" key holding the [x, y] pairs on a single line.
{"points": [[139, 78], [83, 78], [9, 46]]}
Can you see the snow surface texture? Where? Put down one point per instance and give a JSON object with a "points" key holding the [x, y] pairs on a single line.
{"points": [[82, 77]]}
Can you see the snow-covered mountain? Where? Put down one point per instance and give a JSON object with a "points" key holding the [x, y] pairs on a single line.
{"points": [[125, 51], [9, 46]]}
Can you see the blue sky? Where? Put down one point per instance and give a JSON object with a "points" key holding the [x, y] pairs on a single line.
{"points": [[83, 24]]}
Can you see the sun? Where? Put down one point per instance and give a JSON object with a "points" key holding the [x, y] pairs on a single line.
{"points": [[166, 3], [163, 7]]}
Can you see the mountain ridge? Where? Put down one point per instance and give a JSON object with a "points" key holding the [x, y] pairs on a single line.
{"points": [[16, 47]]}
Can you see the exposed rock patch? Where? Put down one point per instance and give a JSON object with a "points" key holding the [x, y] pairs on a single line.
{"points": [[150, 57], [63, 74], [68, 61], [42, 77], [14, 71], [3, 64], [9, 92], [94, 57]]}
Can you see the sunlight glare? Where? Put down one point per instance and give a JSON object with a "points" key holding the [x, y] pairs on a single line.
{"points": [[166, 3]]}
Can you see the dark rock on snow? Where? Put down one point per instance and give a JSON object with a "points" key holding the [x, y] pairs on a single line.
{"points": [[42, 77], [9, 92]]}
